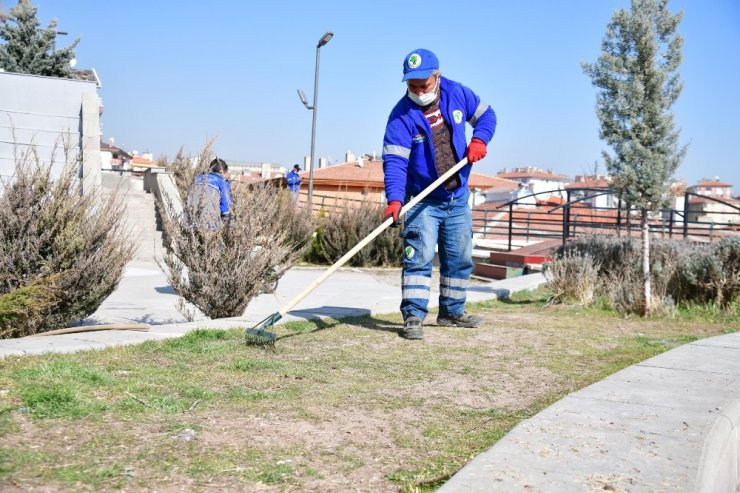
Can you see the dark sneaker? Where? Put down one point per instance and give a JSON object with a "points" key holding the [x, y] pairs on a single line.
{"points": [[412, 329], [462, 320]]}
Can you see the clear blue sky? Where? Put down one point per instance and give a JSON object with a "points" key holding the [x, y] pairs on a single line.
{"points": [[175, 73]]}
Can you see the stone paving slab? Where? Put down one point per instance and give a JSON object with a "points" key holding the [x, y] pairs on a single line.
{"points": [[668, 424]]}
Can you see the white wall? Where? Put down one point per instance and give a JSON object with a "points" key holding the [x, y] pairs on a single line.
{"points": [[44, 112]]}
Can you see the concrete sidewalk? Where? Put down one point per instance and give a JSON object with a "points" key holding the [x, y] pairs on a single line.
{"points": [[668, 424], [145, 296]]}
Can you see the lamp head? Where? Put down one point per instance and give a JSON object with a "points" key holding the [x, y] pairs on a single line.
{"points": [[325, 39], [303, 98]]}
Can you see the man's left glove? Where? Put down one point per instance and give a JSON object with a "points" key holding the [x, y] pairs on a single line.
{"points": [[476, 150]]}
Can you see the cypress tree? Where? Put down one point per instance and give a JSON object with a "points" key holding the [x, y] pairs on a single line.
{"points": [[27, 48], [638, 81]]}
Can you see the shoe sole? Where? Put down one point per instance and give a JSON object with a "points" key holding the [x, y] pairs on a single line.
{"points": [[453, 323], [414, 335]]}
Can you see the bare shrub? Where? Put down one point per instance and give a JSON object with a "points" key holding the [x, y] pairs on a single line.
{"points": [[623, 285], [65, 250], [220, 266], [343, 229], [709, 273], [664, 261], [298, 222], [186, 167], [623, 291], [573, 277], [612, 253], [727, 250], [681, 272]]}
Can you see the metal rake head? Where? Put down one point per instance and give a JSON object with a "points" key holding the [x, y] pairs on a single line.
{"points": [[261, 335]]}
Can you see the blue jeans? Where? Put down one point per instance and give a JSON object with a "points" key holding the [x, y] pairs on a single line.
{"points": [[449, 227]]}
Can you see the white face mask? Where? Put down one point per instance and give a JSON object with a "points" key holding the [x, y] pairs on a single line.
{"points": [[424, 99]]}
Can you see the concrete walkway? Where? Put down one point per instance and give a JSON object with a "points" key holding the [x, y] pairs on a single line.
{"points": [[144, 296], [665, 425]]}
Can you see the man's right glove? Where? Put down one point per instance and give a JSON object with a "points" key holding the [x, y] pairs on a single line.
{"points": [[393, 210], [476, 150]]}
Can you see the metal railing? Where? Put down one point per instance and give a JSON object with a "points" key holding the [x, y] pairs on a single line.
{"points": [[570, 219], [520, 222]]}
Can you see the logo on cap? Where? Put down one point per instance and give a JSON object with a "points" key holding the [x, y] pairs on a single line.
{"points": [[414, 60]]}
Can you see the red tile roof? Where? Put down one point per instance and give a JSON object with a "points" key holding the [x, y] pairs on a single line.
{"points": [[589, 183], [551, 200], [522, 173], [713, 183], [709, 200], [371, 175], [486, 182]]}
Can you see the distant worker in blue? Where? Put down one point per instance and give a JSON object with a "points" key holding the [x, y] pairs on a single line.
{"points": [[294, 182], [211, 194], [424, 138]]}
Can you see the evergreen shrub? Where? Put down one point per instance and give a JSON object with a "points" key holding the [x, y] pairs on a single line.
{"points": [[62, 252]]}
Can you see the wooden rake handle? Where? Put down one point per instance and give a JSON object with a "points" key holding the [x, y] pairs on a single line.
{"points": [[92, 328], [374, 234]]}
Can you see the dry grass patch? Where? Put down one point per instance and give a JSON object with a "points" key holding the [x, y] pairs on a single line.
{"points": [[338, 406]]}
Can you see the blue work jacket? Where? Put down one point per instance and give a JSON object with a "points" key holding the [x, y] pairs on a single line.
{"points": [[408, 149]]}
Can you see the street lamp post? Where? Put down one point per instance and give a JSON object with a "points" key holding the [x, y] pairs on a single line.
{"points": [[314, 107]]}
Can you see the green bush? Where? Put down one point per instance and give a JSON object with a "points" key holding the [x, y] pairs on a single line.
{"points": [[64, 250], [24, 304]]}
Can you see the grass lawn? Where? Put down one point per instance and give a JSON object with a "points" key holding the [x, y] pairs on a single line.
{"points": [[338, 406]]}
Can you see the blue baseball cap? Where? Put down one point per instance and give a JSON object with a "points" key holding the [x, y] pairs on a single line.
{"points": [[419, 64]]}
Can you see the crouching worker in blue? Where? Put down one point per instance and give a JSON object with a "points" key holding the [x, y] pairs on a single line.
{"points": [[424, 138], [210, 197]]}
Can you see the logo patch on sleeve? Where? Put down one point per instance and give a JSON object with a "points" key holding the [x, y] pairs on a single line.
{"points": [[410, 252], [457, 115]]}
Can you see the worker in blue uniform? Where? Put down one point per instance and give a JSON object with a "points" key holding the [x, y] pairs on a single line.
{"points": [[210, 197], [424, 138]]}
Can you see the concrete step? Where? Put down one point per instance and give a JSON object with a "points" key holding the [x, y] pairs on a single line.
{"points": [[534, 254], [495, 271], [141, 218], [514, 259]]}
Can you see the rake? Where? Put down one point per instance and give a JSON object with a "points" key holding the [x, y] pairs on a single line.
{"points": [[262, 333]]}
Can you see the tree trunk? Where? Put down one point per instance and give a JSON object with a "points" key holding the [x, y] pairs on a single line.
{"points": [[645, 263]]}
